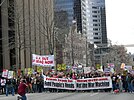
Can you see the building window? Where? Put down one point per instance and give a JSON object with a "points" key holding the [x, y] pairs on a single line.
{"points": [[94, 7], [95, 33], [94, 11], [95, 29], [94, 20], [96, 38], [94, 16], [95, 25]]}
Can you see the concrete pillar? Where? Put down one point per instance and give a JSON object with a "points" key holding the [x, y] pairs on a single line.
{"points": [[5, 39]]}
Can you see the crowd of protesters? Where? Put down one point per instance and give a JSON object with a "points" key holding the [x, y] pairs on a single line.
{"points": [[124, 83], [35, 82]]}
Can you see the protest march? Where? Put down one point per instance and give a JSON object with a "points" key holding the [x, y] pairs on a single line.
{"points": [[66, 78]]}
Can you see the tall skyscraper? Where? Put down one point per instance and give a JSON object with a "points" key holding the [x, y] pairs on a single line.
{"points": [[97, 22], [76, 10], [65, 5], [90, 17]]}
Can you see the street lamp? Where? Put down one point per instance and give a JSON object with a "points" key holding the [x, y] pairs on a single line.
{"points": [[73, 27]]}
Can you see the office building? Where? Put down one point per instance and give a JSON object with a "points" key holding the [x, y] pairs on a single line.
{"points": [[22, 31], [76, 10], [97, 30]]}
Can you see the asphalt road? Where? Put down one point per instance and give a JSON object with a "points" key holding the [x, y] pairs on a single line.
{"points": [[74, 96]]}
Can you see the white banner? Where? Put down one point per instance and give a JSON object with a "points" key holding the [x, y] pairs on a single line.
{"points": [[79, 84], [128, 68], [87, 70], [10, 74], [59, 83], [43, 60], [94, 83]]}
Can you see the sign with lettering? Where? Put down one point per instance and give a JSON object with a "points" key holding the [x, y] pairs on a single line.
{"points": [[43, 60], [5, 73], [61, 67], [79, 84], [94, 83], [59, 83]]}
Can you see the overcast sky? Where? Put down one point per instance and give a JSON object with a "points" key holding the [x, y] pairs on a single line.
{"points": [[120, 22]]}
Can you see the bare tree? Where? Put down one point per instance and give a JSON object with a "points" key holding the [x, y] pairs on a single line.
{"points": [[117, 54]]}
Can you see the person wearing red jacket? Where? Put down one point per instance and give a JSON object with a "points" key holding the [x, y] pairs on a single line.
{"points": [[22, 89]]}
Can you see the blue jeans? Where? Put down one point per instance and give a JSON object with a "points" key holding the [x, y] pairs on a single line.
{"points": [[34, 86], [11, 89], [115, 86], [24, 97], [130, 87]]}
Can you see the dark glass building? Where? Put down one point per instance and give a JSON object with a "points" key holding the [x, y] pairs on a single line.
{"points": [[65, 5], [73, 9]]}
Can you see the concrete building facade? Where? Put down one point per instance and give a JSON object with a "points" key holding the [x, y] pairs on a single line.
{"points": [[23, 31]]}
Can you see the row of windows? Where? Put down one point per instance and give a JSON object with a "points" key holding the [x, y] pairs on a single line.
{"points": [[97, 42], [96, 33], [96, 16], [96, 24], [97, 37], [95, 11], [96, 29], [96, 20], [93, 7]]}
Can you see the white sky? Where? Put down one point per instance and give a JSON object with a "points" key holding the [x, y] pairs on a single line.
{"points": [[120, 22]]}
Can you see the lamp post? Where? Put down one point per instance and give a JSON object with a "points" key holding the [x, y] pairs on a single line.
{"points": [[73, 27]]}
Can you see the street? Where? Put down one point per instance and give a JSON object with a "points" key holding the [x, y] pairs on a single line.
{"points": [[73, 96]]}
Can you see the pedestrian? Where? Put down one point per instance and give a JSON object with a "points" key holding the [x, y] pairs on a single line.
{"points": [[3, 84], [22, 89], [129, 79], [9, 87]]}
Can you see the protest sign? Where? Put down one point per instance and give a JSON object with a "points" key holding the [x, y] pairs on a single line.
{"points": [[43, 60], [5, 73], [10, 74]]}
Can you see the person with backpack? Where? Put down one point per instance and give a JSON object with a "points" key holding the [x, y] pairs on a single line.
{"points": [[22, 90]]}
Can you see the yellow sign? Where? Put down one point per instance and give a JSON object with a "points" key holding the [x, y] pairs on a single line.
{"points": [[98, 66], [63, 66], [30, 71], [59, 68], [39, 69]]}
